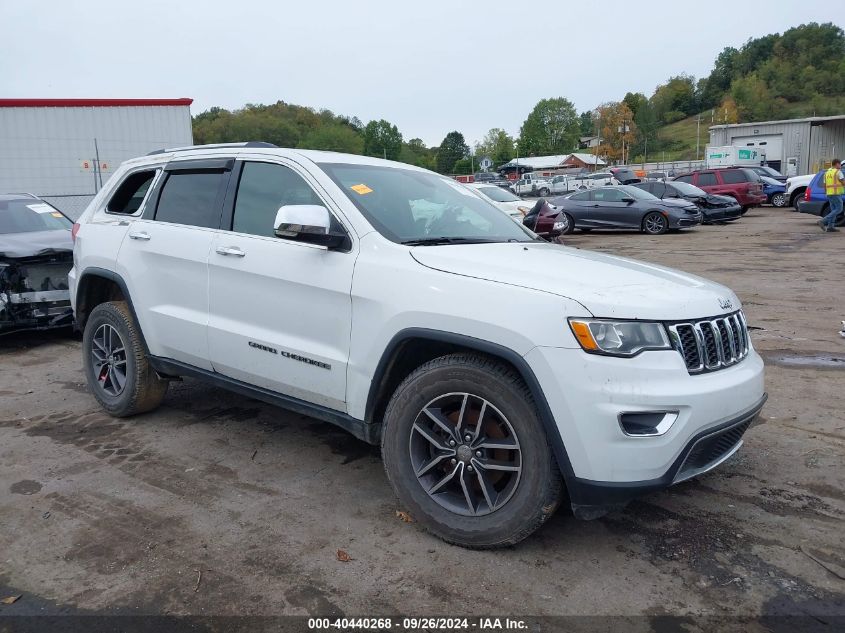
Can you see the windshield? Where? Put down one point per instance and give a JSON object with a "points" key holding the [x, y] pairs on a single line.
{"points": [[770, 171], [27, 215], [499, 195], [409, 206], [687, 189], [636, 193]]}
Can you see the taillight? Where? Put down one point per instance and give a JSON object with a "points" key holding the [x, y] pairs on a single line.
{"points": [[807, 194], [74, 231]]}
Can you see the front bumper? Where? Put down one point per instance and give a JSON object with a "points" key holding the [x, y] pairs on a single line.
{"points": [[685, 221], [722, 214], [587, 394], [38, 310]]}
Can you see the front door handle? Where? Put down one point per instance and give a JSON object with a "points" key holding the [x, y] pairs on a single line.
{"points": [[139, 235], [230, 250]]}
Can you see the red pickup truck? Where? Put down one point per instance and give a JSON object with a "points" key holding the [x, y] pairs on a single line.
{"points": [[738, 182]]}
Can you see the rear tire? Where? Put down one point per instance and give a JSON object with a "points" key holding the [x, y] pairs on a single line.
{"points": [[425, 447], [797, 195], [570, 224], [116, 364], [779, 200], [544, 192]]}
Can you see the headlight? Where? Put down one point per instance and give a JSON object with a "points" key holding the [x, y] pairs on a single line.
{"points": [[619, 338]]}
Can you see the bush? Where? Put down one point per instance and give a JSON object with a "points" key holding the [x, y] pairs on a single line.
{"points": [[673, 115]]}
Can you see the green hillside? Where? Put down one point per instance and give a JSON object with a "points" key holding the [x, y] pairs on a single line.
{"points": [[677, 140]]}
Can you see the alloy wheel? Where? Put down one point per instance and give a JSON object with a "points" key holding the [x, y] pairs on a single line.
{"points": [[108, 356], [465, 454], [655, 223], [779, 200]]}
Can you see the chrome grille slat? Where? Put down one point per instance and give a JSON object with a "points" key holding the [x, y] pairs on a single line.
{"points": [[711, 344]]}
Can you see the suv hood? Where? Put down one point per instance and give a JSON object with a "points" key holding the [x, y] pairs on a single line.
{"points": [[606, 285]]}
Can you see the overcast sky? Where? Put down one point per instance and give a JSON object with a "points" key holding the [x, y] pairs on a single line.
{"points": [[427, 66]]}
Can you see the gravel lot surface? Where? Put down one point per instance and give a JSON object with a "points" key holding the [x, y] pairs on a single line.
{"points": [[218, 504]]}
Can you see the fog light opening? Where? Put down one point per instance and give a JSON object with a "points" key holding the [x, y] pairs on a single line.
{"points": [[647, 423]]}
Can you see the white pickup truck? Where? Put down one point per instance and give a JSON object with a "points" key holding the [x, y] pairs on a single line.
{"points": [[531, 185]]}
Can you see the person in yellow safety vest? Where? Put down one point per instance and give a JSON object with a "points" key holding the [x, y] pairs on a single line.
{"points": [[834, 188]]}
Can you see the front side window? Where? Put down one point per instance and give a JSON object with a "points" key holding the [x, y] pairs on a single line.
{"points": [[191, 197], [263, 188], [407, 205], [608, 195]]}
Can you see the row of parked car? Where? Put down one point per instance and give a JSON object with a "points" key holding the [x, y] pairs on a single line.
{"points": [[618, 199]]}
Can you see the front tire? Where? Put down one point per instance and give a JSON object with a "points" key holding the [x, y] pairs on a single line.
{"points": [[779, 200], [655, 223], [116, 364], [465, 452]]}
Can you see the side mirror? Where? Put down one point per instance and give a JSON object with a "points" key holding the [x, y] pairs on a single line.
{"points": [[309, 223], [628, 200]]}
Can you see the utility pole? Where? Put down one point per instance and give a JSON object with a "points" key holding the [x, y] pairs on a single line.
{"points": [[697, 134]]}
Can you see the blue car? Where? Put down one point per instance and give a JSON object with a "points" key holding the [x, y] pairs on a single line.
{"points": [[815, 201], [775, 191]]}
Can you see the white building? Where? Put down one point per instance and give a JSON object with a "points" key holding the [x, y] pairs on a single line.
{"points": [[64, 150], [793, 146]]}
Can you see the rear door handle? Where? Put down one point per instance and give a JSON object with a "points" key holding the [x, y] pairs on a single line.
{"points": [[140, 235], [230, 250]]}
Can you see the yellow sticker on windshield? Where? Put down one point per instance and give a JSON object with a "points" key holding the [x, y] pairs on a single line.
{"points": [[362, 189], [56, 215]]}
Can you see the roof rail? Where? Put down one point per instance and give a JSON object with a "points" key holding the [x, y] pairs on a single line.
{"points": [[213, 146]]}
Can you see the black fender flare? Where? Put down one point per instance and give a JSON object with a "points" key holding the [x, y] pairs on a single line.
{"points": [[492, 349], [95, 271]]}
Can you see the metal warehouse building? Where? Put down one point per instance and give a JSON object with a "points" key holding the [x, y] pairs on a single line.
{"points": [[64, 150], [796, 146]]}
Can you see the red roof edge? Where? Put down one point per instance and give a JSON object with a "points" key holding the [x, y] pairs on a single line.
{"points": [[88, 103]]}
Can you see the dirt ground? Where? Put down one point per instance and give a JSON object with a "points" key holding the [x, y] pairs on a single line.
{"points": [[218, 504]]}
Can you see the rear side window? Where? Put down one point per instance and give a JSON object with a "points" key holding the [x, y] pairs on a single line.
{"points": [[584, 195], [707, 179], [733, 176], [265, 187], [130, 194], [191, 197], [660, 190]]}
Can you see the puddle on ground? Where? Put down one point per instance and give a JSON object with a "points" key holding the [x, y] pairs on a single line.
{"points": [[823, 361]]}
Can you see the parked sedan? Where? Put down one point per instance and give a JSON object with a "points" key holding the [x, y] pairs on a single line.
{"points": [[775, 191], [36, 254], [503, 199], [625, 207], [714, 208]]}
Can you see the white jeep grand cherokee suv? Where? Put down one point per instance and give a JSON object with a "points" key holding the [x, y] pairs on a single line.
{"points": [[499, 373]]}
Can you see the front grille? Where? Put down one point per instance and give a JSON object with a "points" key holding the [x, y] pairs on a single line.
{"points": [[711, 344], [710, 449]]}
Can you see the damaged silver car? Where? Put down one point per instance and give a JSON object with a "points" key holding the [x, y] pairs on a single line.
{"points": [[36, 253]]}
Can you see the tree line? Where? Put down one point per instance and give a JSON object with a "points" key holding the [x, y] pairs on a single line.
{"points": [[753, 82]]}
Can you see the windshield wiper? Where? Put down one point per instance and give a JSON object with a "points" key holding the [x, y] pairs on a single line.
{"points": [[435, 241]]}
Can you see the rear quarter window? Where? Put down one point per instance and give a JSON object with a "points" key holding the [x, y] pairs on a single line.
{"points": [[131, 193]]}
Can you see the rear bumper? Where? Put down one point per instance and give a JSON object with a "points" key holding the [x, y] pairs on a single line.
{"points": [[813, 207]]}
